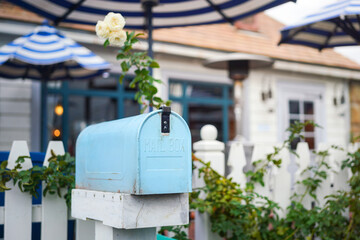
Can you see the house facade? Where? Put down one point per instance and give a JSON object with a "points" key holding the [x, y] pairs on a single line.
{"points": [[302, 84]]}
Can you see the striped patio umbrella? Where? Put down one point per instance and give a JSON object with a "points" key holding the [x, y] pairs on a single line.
{"points": [[334, 25], [148, 14], [45, 54]]}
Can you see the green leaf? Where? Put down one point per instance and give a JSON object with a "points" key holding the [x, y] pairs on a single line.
{"points": [[106, 43], [124, 66], [154, 64], [121, 78], [139, 34], [4, 164], [121, 56]]}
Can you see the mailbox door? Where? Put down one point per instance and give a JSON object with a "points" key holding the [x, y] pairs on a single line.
{"points": [[164, 160]]}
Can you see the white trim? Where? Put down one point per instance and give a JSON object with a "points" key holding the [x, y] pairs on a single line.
{"points": [[194, 76], [316, 69]]}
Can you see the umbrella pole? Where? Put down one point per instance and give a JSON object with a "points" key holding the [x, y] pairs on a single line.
{"points": [[148, 5], [43, 116]]}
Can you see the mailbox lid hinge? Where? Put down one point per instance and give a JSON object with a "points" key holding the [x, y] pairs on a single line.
{"points": [[165, 120]]}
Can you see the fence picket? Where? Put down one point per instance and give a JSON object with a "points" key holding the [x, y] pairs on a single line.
{"points": [[18, 205], [260, 152], [325, 187], [237, 162], [281, 186], [339, 177], [302, 161], [54, 209]]}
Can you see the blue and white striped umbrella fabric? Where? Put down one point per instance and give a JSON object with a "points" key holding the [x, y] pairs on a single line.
{"points": [[334, 25], [168, 13], [46, 54]]}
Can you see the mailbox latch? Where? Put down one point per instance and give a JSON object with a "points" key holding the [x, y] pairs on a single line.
{"points": [[165, 120]]}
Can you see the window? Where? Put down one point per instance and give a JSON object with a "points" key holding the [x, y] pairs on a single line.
{"points": [[301, 103], [84, 103], [302, 111], [204, 103]]}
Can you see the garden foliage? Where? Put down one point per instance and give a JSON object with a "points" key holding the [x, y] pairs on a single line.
{"points": [[240, 213]]}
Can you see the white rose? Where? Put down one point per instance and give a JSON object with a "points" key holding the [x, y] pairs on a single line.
{"points": [[115, 21], [102, 30], [117, 38]]}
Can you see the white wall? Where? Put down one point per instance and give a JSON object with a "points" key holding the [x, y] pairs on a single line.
{"points": [[265, 119], [15, 112]]}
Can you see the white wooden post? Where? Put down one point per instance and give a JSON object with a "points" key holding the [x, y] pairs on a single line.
{"points": [[281, 184], [302, 161], [237, 162], [260, 152], [208, 150], [54, 209], [85, 230], [18, 205], [211, 150]]}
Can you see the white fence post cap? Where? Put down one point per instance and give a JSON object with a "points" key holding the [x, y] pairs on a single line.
{"points": [[208, 132], [208, 142]]}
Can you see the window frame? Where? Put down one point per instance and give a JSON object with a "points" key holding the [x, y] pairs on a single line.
{"points": [[302, 92], [65, 92], [225, 101]]}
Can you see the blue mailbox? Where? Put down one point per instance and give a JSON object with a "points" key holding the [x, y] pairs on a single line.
{"points": [[145, 154]]}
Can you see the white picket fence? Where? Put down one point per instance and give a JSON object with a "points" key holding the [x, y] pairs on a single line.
{"points": [[18, 213], [279, 182]]}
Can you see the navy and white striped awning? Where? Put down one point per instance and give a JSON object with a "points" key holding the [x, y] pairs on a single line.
{"points": [[334, 25], [46, 54], [168, 13]]}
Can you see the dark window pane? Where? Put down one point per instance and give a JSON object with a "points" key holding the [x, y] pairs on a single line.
{"points": [[84, 111], [55, 111], [131, 108], [293, 121], [294, 107], [200, 115], [294, 143], [231, 93], [100, 109], [311, 142], [309, 128], [308, 107], [109, 83], [196, 90]]}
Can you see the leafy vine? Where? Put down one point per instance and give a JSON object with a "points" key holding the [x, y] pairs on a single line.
{"points": [[58, 176]]}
